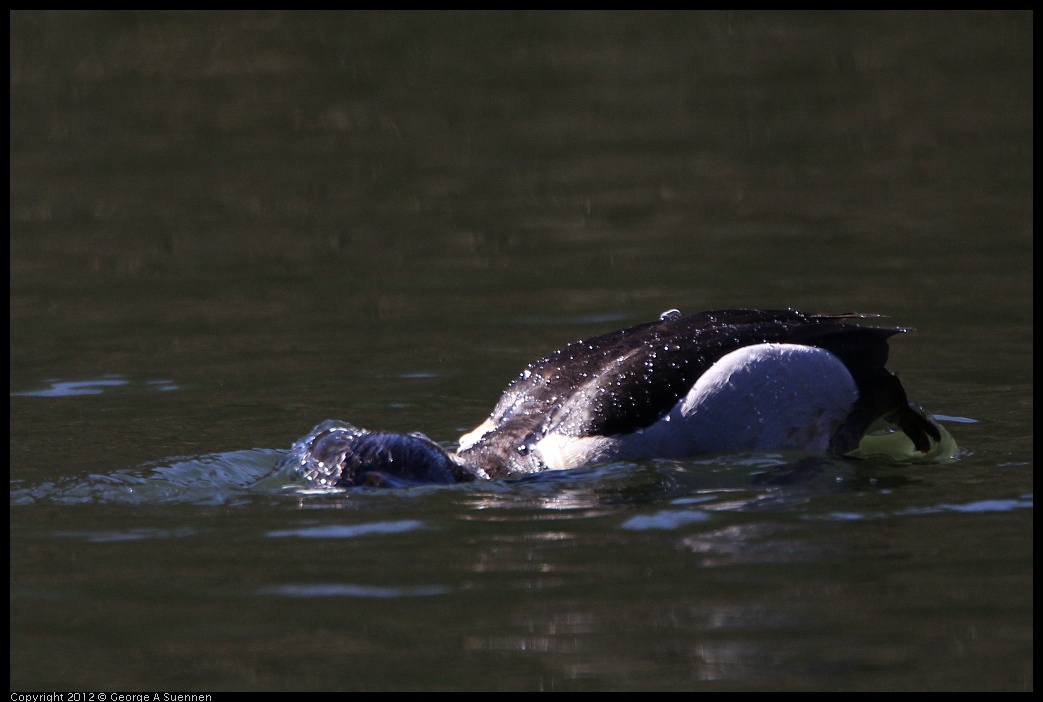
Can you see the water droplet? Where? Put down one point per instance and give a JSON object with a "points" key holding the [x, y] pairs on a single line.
{"points": [[669, 314]]}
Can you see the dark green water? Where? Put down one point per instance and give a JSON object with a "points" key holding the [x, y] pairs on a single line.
{"points": [[226, 228]]}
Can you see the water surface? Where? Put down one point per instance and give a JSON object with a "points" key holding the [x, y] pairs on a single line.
{"points": [[226, 228]]}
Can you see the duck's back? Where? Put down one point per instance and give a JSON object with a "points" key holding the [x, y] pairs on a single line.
{"points": [[629, 380]]}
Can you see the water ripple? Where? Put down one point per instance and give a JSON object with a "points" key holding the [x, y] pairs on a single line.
{"points": [[78, 388], [352, 590], [666, 519], [350, 531]]}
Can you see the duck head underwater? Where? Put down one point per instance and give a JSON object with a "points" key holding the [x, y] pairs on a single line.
{"points": [[723, 381]]}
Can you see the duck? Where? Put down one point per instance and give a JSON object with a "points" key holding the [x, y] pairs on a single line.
{"points": [[715, 382]]}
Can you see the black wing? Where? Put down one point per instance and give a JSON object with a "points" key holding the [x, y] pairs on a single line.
{"points": [[626, 380]]}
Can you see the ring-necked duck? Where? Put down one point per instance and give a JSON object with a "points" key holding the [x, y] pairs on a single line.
{"points": [[713, 382]]}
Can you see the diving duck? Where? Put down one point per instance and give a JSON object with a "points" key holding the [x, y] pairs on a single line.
{"points": [[722, 381]]}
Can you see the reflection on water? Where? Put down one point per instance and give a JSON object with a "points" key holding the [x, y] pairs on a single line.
{"points": [[632, 556], [669, 519], [751, 543], [348, 531], [74, 388], [978, 506], [138, 534], [347, 590]]}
